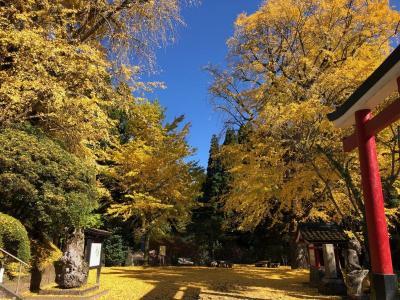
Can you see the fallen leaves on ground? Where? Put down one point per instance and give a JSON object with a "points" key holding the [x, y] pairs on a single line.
{"points": [[240, 282]]}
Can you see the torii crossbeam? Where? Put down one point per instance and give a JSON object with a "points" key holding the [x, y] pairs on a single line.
{"points": [[357, 111]]}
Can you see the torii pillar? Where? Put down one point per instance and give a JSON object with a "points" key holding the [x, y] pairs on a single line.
{"points": [[357, 111], [384, 280]]}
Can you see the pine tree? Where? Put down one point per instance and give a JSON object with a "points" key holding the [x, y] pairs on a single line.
{"points": [[208, 219], [230, 137], [214, 172]]}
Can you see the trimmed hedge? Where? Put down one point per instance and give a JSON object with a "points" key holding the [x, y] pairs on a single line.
{"points": [[14, 238]]}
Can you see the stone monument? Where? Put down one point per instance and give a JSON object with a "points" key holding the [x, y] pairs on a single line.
{"points": [[331, 283], [355, 275], [72, 269]]}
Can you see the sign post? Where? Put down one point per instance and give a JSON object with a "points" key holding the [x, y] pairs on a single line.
{"points": [[94, 249], [162, 254], [1, 274], [95, 259]]}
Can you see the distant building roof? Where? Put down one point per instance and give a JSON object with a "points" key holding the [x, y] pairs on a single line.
{"points": [[321, 233]]}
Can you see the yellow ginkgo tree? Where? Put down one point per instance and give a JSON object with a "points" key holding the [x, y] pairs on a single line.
{"points": [[292, 62], [155, 183]]}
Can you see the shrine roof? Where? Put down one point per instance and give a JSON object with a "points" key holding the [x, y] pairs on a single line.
{"points": [[321, 233], [93, 232], [373, 91]]}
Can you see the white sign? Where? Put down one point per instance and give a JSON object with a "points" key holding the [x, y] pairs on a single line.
{"points": [[1, 274], [95, 255]]}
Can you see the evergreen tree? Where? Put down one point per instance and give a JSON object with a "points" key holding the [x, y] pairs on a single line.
{"points": [[230, 137], [217, 179], [208, 218], [214, 172]]}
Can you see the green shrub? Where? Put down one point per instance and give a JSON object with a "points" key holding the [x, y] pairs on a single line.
{"points": [[14, 238], [44, 186], [115, 251]]}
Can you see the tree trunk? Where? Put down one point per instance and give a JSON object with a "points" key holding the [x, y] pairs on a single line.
{"points": [[72, 269], [146, 248], [357, 195], [299, 256], [36, 278]]}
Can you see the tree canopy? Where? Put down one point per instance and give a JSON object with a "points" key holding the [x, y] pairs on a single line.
{"points": [[71, 119], [155, 185], [81, 145], [290, 63]]}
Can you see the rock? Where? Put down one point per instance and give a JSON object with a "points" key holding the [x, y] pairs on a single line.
{"points": [[316, 275], [332, 286], [354, 283], [354, 274], [352, 256], [366, 285], [72, 270]]}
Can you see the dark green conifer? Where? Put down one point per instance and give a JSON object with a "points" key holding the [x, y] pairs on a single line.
{"points": [[212, 186]]}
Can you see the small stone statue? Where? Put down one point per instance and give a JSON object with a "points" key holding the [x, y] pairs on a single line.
{"points": [[353, 252], [355, 275]]}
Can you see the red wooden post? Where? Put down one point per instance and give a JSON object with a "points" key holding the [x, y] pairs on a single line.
{"points": [[381, 260]]}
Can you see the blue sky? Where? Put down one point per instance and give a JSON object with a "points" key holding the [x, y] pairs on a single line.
{"points": [[200, 42]]}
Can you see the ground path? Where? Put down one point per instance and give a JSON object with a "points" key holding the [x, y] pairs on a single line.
{"points": [[240, 282]]}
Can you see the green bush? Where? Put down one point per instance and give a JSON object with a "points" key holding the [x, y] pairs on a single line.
{"points": [[14, 238], [115, 251], [44, 186]]}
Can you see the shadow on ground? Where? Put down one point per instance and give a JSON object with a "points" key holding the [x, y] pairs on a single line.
{"points": [[241, 282]]}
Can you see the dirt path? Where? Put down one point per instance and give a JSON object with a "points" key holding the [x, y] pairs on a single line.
{"points": [[241, 282]]}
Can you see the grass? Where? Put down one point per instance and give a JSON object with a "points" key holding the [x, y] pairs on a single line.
{"points": [[241, 282]]}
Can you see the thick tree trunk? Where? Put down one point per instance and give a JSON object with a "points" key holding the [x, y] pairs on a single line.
{"points": [[36, 278], [354, 192], [299, 256], [38, 244], [72, 269]]}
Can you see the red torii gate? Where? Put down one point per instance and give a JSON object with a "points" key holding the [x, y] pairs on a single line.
{"points": [[357, 111]]}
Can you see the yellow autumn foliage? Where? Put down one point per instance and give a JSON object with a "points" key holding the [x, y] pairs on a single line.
{"points": [[156, 186], [291, 63], [240, 282], [69, 70]]}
